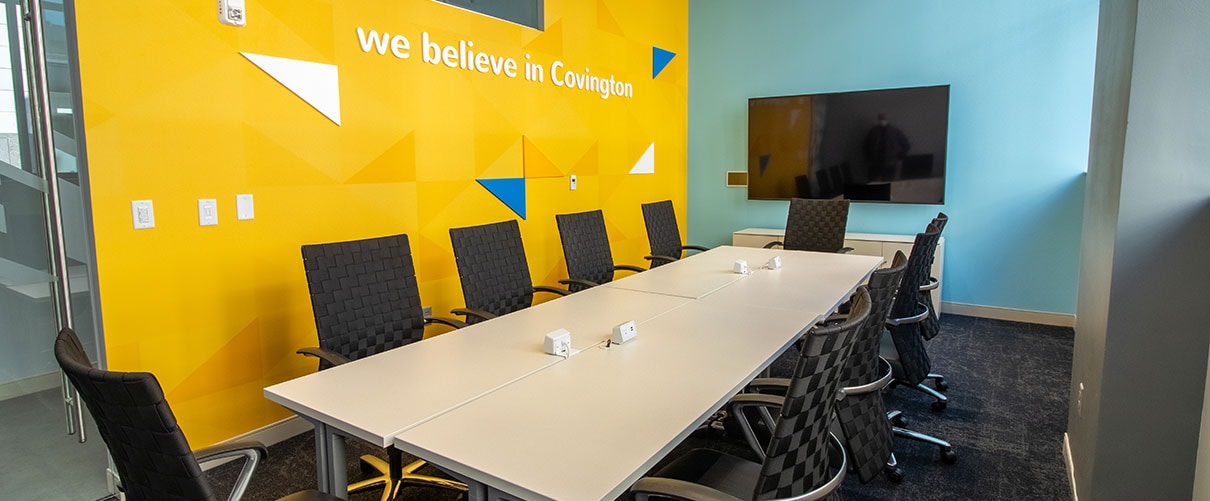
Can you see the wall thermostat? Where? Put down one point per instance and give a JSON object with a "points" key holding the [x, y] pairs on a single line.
{"points": [[231, 12]]}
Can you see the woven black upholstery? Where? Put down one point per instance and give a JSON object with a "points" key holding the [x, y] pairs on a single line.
{"points": [[492, 267], [152, 456], [866, 431], [662, 231], [913, 362], [816, 225], [585, 247], [364, 295], [796, 459], [932, 325]]}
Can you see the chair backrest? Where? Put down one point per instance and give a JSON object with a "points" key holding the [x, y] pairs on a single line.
{"points": [[153, 458], [797, 459], [862, 366], [364, 295], [492, 266], [816, 225], [585, 247], [662, 231], [932, 325], [867, 433], [909, 344]]}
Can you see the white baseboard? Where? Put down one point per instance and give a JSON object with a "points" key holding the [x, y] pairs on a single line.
{"points": [[1011, 314], [20, 387], [1071, 467], [269, 435]]}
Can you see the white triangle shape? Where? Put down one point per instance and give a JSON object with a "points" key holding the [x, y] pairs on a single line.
{"points": [[646, 163], [316, 83]]}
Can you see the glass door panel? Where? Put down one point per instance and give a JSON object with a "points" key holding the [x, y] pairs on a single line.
{"points": [[41, 460]]}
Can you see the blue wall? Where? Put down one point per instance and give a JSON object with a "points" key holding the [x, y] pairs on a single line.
{"points": [[1020, 104]]}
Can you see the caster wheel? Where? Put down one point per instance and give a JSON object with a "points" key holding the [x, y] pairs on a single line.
{"points": [[899, 421], [895, 475], [940, 405], [948, 456], [942, 385]]}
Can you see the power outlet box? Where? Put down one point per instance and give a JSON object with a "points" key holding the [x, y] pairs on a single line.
{"points": [[624, 332], [558, 343], [232, 13], [143, 213]]}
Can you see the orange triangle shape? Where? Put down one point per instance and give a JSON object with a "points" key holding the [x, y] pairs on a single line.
{"points": [[550, 41], [537, 164], [588, 163], [509, 163], [606, 21], [270, 164], [237, 362], [397, 164]]}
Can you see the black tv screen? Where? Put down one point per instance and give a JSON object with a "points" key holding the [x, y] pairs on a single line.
{"points": [[867, 146]]}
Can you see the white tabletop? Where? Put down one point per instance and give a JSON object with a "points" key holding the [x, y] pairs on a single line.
{"points": [[589, 427], [814, 281], [692, 278], [379, 396]]}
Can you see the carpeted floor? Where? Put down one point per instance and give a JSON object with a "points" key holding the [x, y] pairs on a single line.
{"points": [[1008, 408]]}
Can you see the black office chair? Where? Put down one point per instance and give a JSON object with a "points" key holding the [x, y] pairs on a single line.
{"points": [[493, 270], [148, 448], [932, 325], [365, 301], [586, 249], [797, 462], [909, 313], [909, 359], [815, 225], [663, 234]]}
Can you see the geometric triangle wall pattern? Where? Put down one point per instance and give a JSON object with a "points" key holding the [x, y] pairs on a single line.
{"points": [[510, 191], [317, 84], [659, 60]]}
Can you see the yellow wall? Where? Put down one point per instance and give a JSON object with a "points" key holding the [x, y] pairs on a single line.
{"points": [[174, 113]]}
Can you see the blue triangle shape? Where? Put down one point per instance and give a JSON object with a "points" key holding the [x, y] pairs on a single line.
{"points": [[509, 190], [659, 60]]}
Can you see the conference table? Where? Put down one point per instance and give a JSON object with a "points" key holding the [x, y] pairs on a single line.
{"points": [[485, 404]]}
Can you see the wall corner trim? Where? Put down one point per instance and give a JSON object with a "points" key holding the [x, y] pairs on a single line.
{"points": [[1071, 467], [1011, 314]]}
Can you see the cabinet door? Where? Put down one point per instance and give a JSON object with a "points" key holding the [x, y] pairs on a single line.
{"points": [[864, 247]]}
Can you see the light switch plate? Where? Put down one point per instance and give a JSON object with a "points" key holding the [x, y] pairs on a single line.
{"points": [[573, 182], [243, 208], [207, 212], [143, 214]]}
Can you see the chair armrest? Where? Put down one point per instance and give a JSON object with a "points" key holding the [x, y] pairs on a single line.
{"points": [[452, 322], [473, 312], [919, 317], [677, 489], [932, 284], [769, 385], [576, 281], [552, 290], [657, 257], [871, 387], [251, 450], [762, 403], [844, 250], [328, 356], [694, 247], [775, 243], [627, 267]]}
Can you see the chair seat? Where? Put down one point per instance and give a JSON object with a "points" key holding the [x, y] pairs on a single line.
{"points": [[717, 470], [311, 495]]}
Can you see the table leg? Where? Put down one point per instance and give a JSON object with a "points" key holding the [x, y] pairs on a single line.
{"points": [[331, 475]]}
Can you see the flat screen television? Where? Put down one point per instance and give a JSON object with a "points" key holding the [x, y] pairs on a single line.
{"points": [[867, 146]]}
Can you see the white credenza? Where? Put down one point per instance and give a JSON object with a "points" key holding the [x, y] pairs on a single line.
{"points": [[866, 244]]}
